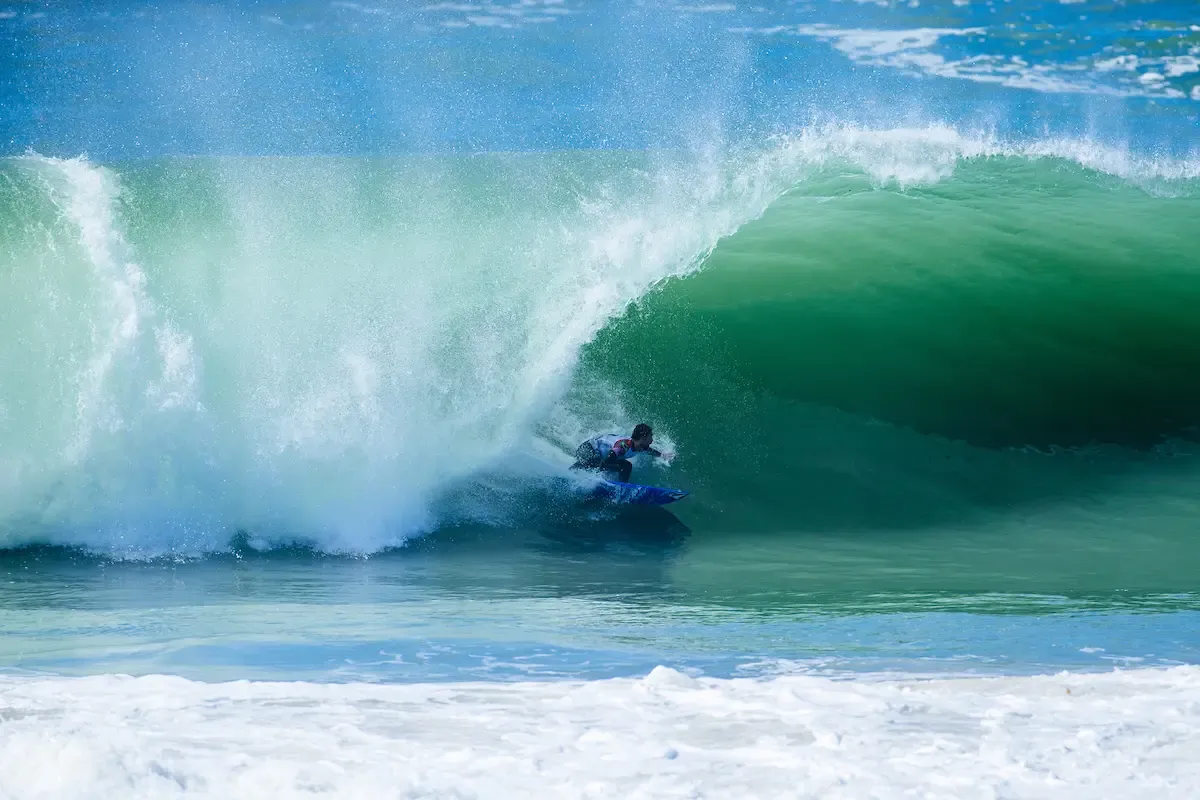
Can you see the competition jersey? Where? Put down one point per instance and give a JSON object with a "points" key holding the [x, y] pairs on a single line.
{"points": [[618, 446]]}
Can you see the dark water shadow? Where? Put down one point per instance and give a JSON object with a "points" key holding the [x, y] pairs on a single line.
{"points": [[650, 531], [568, 551]]}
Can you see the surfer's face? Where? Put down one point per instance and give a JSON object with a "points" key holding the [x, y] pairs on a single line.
{"points": [[643, 444]]}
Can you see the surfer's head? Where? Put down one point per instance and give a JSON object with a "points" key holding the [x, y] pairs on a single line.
{"points": [[642, 436]]}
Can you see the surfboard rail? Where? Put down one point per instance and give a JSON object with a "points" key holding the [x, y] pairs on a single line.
{"points": [[637, 494]]}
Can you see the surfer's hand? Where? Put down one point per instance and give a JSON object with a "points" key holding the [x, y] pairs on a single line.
{"points": [[667, 457]]}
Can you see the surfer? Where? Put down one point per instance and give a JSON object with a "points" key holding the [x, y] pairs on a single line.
{"points": [[610, 454]]}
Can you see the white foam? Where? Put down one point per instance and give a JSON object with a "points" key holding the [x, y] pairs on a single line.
{"points": [[1123, 734], [368, 10], [868, 42], [500, 15], [920, 155], [315, 377], [1127, 62], [1181, 65], [912, 50], [707, 8]]}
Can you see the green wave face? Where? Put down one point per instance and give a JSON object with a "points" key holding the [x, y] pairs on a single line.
{"points": [[878, 355], [838, 330]]}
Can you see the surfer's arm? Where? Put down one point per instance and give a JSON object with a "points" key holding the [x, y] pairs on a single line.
{"points": [[620, 451]]}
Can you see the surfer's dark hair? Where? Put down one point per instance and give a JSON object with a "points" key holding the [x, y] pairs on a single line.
{"points": [[641, 431]]}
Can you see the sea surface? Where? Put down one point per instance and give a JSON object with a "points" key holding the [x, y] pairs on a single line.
{"points": [[305, 307]]}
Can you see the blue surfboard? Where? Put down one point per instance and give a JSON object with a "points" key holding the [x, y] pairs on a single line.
{"points": [[636, 494]]}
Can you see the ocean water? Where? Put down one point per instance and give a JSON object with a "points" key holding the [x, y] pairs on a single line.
{"points": [[304, 308]]}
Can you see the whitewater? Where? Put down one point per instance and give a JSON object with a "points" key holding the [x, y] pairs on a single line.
{"points": [[665, 735], [305, 307]]}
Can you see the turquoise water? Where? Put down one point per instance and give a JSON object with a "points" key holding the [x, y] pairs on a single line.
{"points": [[903, 368], [290, 423], [306, 307], [544, 607]]}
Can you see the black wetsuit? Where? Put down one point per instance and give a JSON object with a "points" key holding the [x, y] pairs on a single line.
{"points": [[602, 459]]}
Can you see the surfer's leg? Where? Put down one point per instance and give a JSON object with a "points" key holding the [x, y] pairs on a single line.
{"points": [[618, 469], [586, 457]]}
